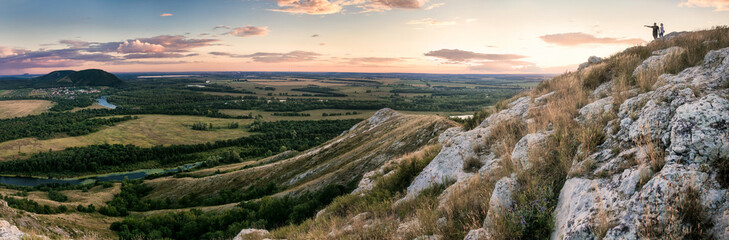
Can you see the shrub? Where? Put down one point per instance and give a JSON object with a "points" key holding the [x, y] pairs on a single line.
{"points": [[722, 171], [472, 164], [57, 196]]}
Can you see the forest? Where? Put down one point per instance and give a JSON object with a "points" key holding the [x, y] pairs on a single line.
{"points": [[267, 213]]}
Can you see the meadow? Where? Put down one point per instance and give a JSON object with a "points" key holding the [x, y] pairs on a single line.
{"points": [[20, 108], [147, 131]]}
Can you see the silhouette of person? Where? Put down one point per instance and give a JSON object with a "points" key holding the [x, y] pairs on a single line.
{"points": [[655, 30], [660, 34]]}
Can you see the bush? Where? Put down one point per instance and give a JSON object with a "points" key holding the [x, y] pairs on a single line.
{"points": [[57, 196], [472, 164]]}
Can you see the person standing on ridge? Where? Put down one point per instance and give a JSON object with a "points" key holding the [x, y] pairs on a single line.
{"points": [[660, 34], [655, 30]]}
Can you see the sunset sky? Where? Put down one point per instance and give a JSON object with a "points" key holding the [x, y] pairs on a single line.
{"points": [[427, 36]]}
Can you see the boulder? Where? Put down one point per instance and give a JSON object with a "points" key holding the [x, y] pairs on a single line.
{"points": [[252, 233], [477, 234], [592, 60], [658, 59], [10, 232], [500, 200], [524, 149]]}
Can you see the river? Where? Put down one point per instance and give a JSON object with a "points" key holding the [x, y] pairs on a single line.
{"points": [[102, 101], [32, 182]]}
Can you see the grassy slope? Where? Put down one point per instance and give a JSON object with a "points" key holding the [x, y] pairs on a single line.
{"points": [[467, 208], [341, 160], [20, 108], [147, 131]]}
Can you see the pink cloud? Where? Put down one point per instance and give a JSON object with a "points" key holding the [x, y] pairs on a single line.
{"points": [[249, 31], [313, 7], [268, 57], [508, 66], [166, 15], [137, 46], [458, 56], [578, 38], [718, 5]]}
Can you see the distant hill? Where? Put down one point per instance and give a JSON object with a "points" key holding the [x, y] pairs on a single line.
{"points": [[89, 77]]}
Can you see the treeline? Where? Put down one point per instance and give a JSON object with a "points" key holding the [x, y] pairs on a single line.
{"points": [[132, 192], [338, 114], [47, 125], [219, 88], [32, 206], [267, 213], [65, 104], [75, 161], [320, 91], [291, 114]]}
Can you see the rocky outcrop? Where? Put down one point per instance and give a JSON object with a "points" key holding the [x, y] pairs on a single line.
{"points": [[592, 60], [252, 234], [658, 60], [10, 232], [524, 149], [500, 200], [683, 122]]}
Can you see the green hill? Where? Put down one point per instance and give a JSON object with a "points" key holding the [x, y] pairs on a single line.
{"points": [[89, 77]]}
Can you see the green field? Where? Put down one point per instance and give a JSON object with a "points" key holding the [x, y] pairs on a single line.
{"points": [[147, 131]]}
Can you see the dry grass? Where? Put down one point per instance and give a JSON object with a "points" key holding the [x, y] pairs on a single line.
{"points": [[21, 108]]}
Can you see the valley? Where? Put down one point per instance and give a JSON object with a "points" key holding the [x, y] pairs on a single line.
{"points": [[244, 139]]}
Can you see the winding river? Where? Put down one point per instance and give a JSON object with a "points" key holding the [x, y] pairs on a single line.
{"points": [[32, 182], [102, 101]]}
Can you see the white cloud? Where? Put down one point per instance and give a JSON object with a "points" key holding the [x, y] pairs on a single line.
{"points": [[137, 46]]}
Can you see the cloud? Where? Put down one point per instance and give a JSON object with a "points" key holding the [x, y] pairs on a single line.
{"points": [[509, 66], [315, 35], [470, 20], [15, 59], [267, 57], [313, 7], [166, 15], [77, 53], [222, 27], [294, 56], [322, 44], [74, 43], [578, 38], [137, 46], [322, 7], [459, 56], [435, 5], [718, 5], [407, 4], [156, 55], [430, 21], [177, 43], [249, 31], [373, 60]]}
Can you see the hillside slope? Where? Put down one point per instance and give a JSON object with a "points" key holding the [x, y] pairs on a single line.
{"points": [[634, 146], [365, 147]]}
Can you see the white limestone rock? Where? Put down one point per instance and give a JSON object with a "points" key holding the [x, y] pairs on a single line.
{"points": [[699, 130], [658, 59], [477, 234], [252, 233], [501, 199], [595, 109], [10, 232], [525, 148]]}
